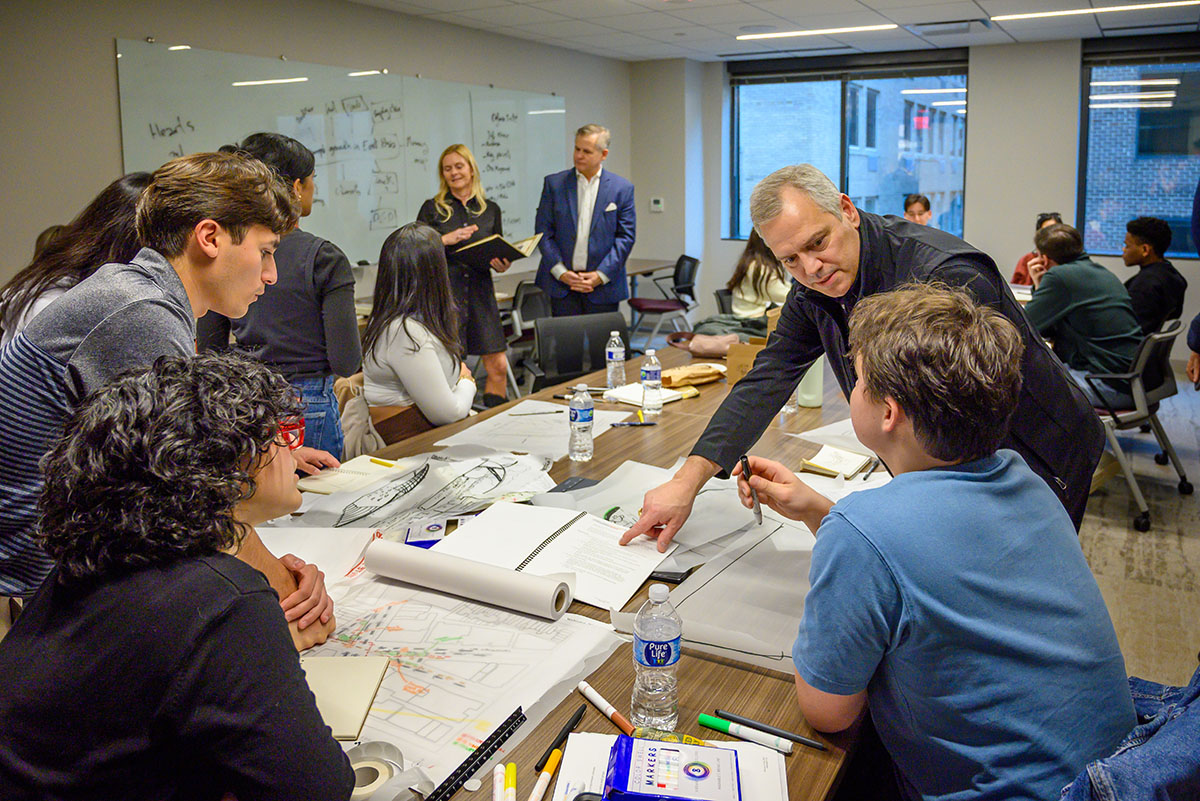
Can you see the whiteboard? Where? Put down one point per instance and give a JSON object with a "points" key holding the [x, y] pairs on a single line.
{"points": [[376, 138]]}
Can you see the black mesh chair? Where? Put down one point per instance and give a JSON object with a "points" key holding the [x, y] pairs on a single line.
{"points": [[678, 299], [1151, 379], [567, 347], [724, 301], [528, 305]]}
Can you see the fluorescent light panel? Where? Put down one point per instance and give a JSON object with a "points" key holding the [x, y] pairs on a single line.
{"points": [[1143, 104], [1103, 10], [932, 91], [180, 47], [822, 32], [949, 103], [1133, 96], [269, 80], [1143, 82], [366, 72]]}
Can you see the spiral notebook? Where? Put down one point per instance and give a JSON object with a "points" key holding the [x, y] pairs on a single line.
{"points": [[546, 541]]}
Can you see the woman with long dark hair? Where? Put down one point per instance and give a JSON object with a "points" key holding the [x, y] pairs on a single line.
{"points": [[758, 280], [305, 325], [413, 354], [462, 214], [152, 663], [102, 233]]}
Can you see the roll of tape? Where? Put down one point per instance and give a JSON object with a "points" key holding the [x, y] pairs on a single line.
{"points": [[369, 776]]}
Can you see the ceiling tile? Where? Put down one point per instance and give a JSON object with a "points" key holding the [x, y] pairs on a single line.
{"points": [[1070, 28], [996, 8], [566, 29], [683, 35], [842, 19], [450, 6], [888, 6], [617, 39], [645, 21], [743, 13], [589, 9], [509, 16], [672, 5], [941, 12], [417, 7]]}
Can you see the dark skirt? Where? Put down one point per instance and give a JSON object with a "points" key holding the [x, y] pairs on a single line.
{"points": [[479, 328]]}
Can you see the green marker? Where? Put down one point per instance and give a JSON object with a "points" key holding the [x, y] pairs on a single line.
{"points": [[745, 733]]}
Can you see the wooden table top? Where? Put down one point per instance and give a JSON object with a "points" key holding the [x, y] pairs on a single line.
{"points": [[705, 681]]}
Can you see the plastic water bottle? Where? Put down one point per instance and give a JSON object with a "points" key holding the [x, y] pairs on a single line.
{"points": [[651, 385], [657, 631], [580, 449], [614, 359]]}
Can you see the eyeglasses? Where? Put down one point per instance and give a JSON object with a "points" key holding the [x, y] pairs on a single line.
{"points": [[1048, 215], [291, 431]]}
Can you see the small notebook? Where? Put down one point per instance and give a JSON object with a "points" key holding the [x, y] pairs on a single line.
{"points": [[357, 473], [632, 394], [345, 688], [548, 541], [831, 461]]}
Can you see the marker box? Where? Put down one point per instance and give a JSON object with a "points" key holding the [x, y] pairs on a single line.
{"points": [[649, 770]]}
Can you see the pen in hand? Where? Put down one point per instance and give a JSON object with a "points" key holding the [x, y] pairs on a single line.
{"points": [[758, 518]]}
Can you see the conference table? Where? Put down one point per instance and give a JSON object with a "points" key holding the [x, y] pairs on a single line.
{"points": [[705, 681]]}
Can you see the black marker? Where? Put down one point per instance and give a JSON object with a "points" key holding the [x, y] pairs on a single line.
{"points": [[753, 495]]}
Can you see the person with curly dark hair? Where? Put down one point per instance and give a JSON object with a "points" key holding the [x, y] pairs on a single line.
{"points": [[152, 663]]}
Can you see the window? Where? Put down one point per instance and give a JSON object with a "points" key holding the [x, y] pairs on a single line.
{"points": [[1141, 151], [898, 139]]}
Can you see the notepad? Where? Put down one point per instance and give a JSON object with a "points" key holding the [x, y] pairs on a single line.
{"points": [[345, 688], [357, 473], [831, 461], [548, 541], [632, 394]]}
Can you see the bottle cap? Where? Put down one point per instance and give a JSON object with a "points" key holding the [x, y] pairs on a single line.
{"points": [[659, 593], [649, 351], [581, 387], [614, 334]]}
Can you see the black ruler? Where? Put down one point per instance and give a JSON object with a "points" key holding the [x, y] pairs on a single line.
{"points": [[471, 765]]}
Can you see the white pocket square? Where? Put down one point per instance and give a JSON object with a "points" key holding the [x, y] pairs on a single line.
{"points": [[611, 207]]}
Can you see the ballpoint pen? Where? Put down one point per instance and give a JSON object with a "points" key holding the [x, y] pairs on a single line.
{"points": [[871, 468]]}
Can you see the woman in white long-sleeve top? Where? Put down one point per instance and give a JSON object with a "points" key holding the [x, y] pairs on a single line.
{"points": [[413, 355]]}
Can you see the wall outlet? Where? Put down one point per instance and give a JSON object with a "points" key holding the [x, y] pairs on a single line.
{"points": [[656, 205]]}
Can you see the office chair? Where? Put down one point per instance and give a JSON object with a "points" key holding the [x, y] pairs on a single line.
{"points": [[678, 299], [1151, 379], [724, 301], [568, 347], [528, 304]]}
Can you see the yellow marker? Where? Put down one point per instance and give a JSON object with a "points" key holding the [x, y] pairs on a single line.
{"points": [[383, 462], [547, 773], [641, 419], [510, 782]]}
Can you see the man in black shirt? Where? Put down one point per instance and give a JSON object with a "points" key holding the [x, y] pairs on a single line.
{"points": [[839, 255], [1157, 288]]}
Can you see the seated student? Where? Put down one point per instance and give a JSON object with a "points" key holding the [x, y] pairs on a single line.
{"points": [[954, 602], [102, 233], [210, 223], [413, 355], [1083, 308], [152, 664], [917, 209], [1021, 272], [1157, 288]]}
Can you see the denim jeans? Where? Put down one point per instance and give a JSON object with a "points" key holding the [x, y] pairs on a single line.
{"points": [[322, 419], [1159, 760]]}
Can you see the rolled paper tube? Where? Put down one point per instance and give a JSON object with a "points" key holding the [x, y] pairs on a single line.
{"points": [[540, 596]]}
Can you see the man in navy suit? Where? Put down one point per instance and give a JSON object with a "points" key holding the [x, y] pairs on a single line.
{"points": [[587, 221]]}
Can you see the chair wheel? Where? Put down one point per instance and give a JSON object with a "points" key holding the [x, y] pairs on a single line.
{"points": [[1185, 487], [1160, 458], [1144, 428], [1142, 522]]}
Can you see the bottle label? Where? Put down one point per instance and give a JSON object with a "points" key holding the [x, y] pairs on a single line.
{"points": [[581, 415], [653, 653], [616, 354], [651, 373]]}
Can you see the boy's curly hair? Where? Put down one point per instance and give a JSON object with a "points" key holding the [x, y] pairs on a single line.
{"points": [[148, 469]]}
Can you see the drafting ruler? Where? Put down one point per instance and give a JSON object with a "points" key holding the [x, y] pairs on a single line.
{"points": [[471, 765]]}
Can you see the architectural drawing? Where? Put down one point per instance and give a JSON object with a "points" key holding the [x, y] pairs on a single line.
{"points": [[457, 668]]}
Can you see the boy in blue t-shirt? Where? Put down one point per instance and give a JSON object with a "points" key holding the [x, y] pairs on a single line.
{"points": [[955, 601]]}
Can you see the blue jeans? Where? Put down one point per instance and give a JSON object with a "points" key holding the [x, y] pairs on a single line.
{"points": [[1159, 760], [322, 419]]}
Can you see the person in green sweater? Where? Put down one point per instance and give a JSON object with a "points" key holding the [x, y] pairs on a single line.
{"points": [[1086, 311]]}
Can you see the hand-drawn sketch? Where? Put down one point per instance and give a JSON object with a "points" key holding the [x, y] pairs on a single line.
{"points": [[444, 484], [457, 668]]}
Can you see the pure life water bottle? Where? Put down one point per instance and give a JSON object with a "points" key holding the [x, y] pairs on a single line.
{"points": [[581, 408], [614, 359], [657, 632]]}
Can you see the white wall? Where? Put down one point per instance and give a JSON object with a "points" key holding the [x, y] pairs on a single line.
{"points": [[59, 106]]}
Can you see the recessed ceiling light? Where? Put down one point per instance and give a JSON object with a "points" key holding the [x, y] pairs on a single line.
{"points": [[1103, 10], [933, 91], [1142, 82], [363, 73], [180, 47], [824, 31], [269, 80]]}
